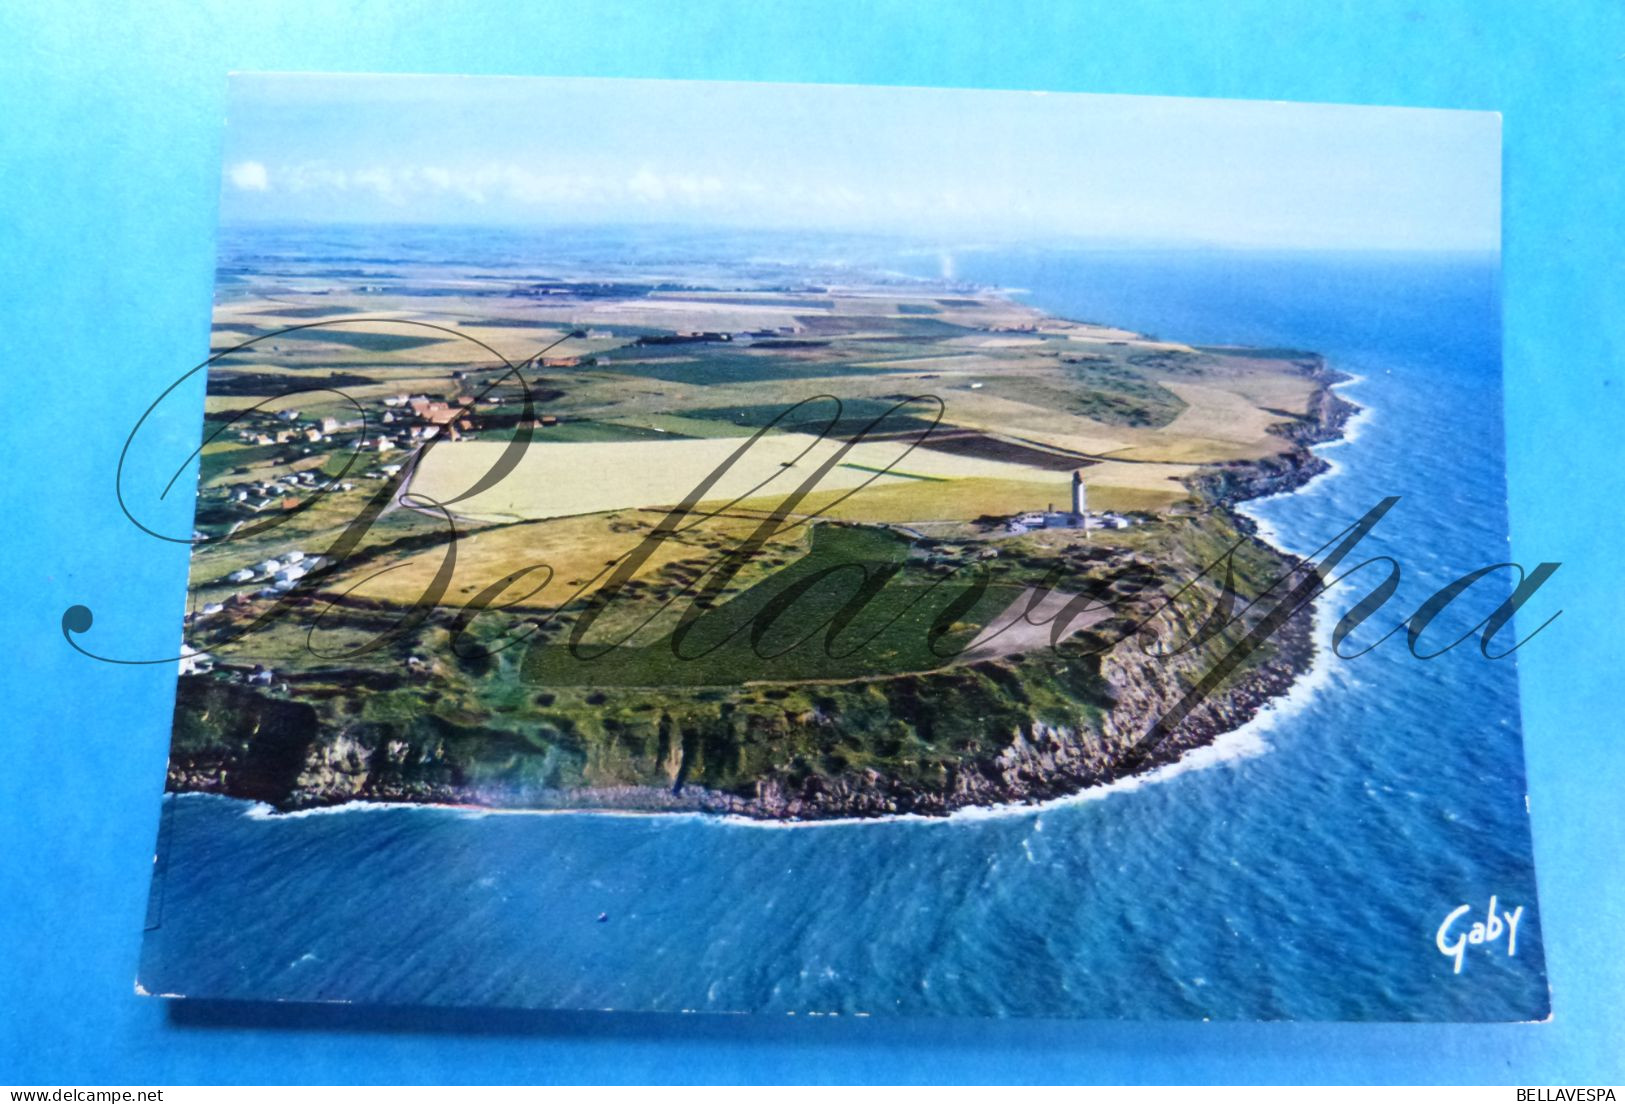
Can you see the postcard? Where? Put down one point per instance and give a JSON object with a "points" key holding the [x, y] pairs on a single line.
{"points": [[840, 550]]}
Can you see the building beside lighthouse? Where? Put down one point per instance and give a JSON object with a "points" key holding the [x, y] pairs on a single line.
{"points": [[1078, 517]]}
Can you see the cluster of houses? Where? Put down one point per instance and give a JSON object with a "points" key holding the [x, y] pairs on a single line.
{"points": [[409, 420], [743, 337], [434, 416], [283, 490], [431, 417], [280, 573], [313, 433]]}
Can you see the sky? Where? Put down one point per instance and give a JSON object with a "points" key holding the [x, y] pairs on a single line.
{"points": [[957, 165]]}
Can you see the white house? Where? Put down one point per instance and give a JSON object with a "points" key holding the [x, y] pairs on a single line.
{"points": [[194, 662]]}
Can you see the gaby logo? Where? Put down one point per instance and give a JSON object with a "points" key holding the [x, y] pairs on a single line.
{"points": [[1454, 937]]}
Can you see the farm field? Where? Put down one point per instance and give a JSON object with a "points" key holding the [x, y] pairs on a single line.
{"points": [[563, 480]]}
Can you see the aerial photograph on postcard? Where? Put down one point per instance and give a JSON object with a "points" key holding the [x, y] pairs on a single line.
{"points": [[838, 550]]}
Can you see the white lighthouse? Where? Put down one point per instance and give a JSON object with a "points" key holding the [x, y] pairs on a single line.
{"points": [[1079, 498]]}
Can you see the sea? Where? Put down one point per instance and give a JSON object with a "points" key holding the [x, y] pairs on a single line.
{"points": [[1319, 864]]}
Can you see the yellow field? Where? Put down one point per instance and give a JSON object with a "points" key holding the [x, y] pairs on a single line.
{"points": [[562, 480], [1220, 423], [1216, 424], [579, 550], [913, 501], [1276, 390]]}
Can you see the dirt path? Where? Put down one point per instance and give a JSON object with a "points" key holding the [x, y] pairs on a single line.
{"points": [[1014, 631]]}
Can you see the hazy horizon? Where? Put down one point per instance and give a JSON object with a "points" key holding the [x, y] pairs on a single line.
{"points": [[962, 168], [892, 243]]}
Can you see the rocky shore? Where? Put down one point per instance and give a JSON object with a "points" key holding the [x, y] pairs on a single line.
{"points": [[1328, 415]]}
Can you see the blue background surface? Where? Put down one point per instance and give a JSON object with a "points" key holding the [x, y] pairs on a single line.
{"points": [[109, 160]]}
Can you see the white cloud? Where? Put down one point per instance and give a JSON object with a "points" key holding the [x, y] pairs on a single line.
{"points": [[384, 184], [249, 176], [678, 192], [647, 186]]}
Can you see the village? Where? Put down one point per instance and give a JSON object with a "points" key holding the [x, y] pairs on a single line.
{"points": [[327, 448]]}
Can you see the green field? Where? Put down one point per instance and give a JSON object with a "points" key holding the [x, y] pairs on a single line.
{"points": [[820, 416], [371, 341], [720, 364], [778, 629]]}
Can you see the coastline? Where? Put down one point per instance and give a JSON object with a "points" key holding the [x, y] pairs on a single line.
{"points": [[1046, 764]]}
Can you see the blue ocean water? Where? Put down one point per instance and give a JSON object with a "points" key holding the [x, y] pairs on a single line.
{"points": [[1298, 870]]}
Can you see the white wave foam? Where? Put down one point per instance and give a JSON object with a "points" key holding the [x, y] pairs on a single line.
{"points": [[1358, 421], [1334, 467], [258, 810]]}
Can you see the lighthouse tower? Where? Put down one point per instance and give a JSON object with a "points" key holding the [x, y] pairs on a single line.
{"points": [[1079, 498]]}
